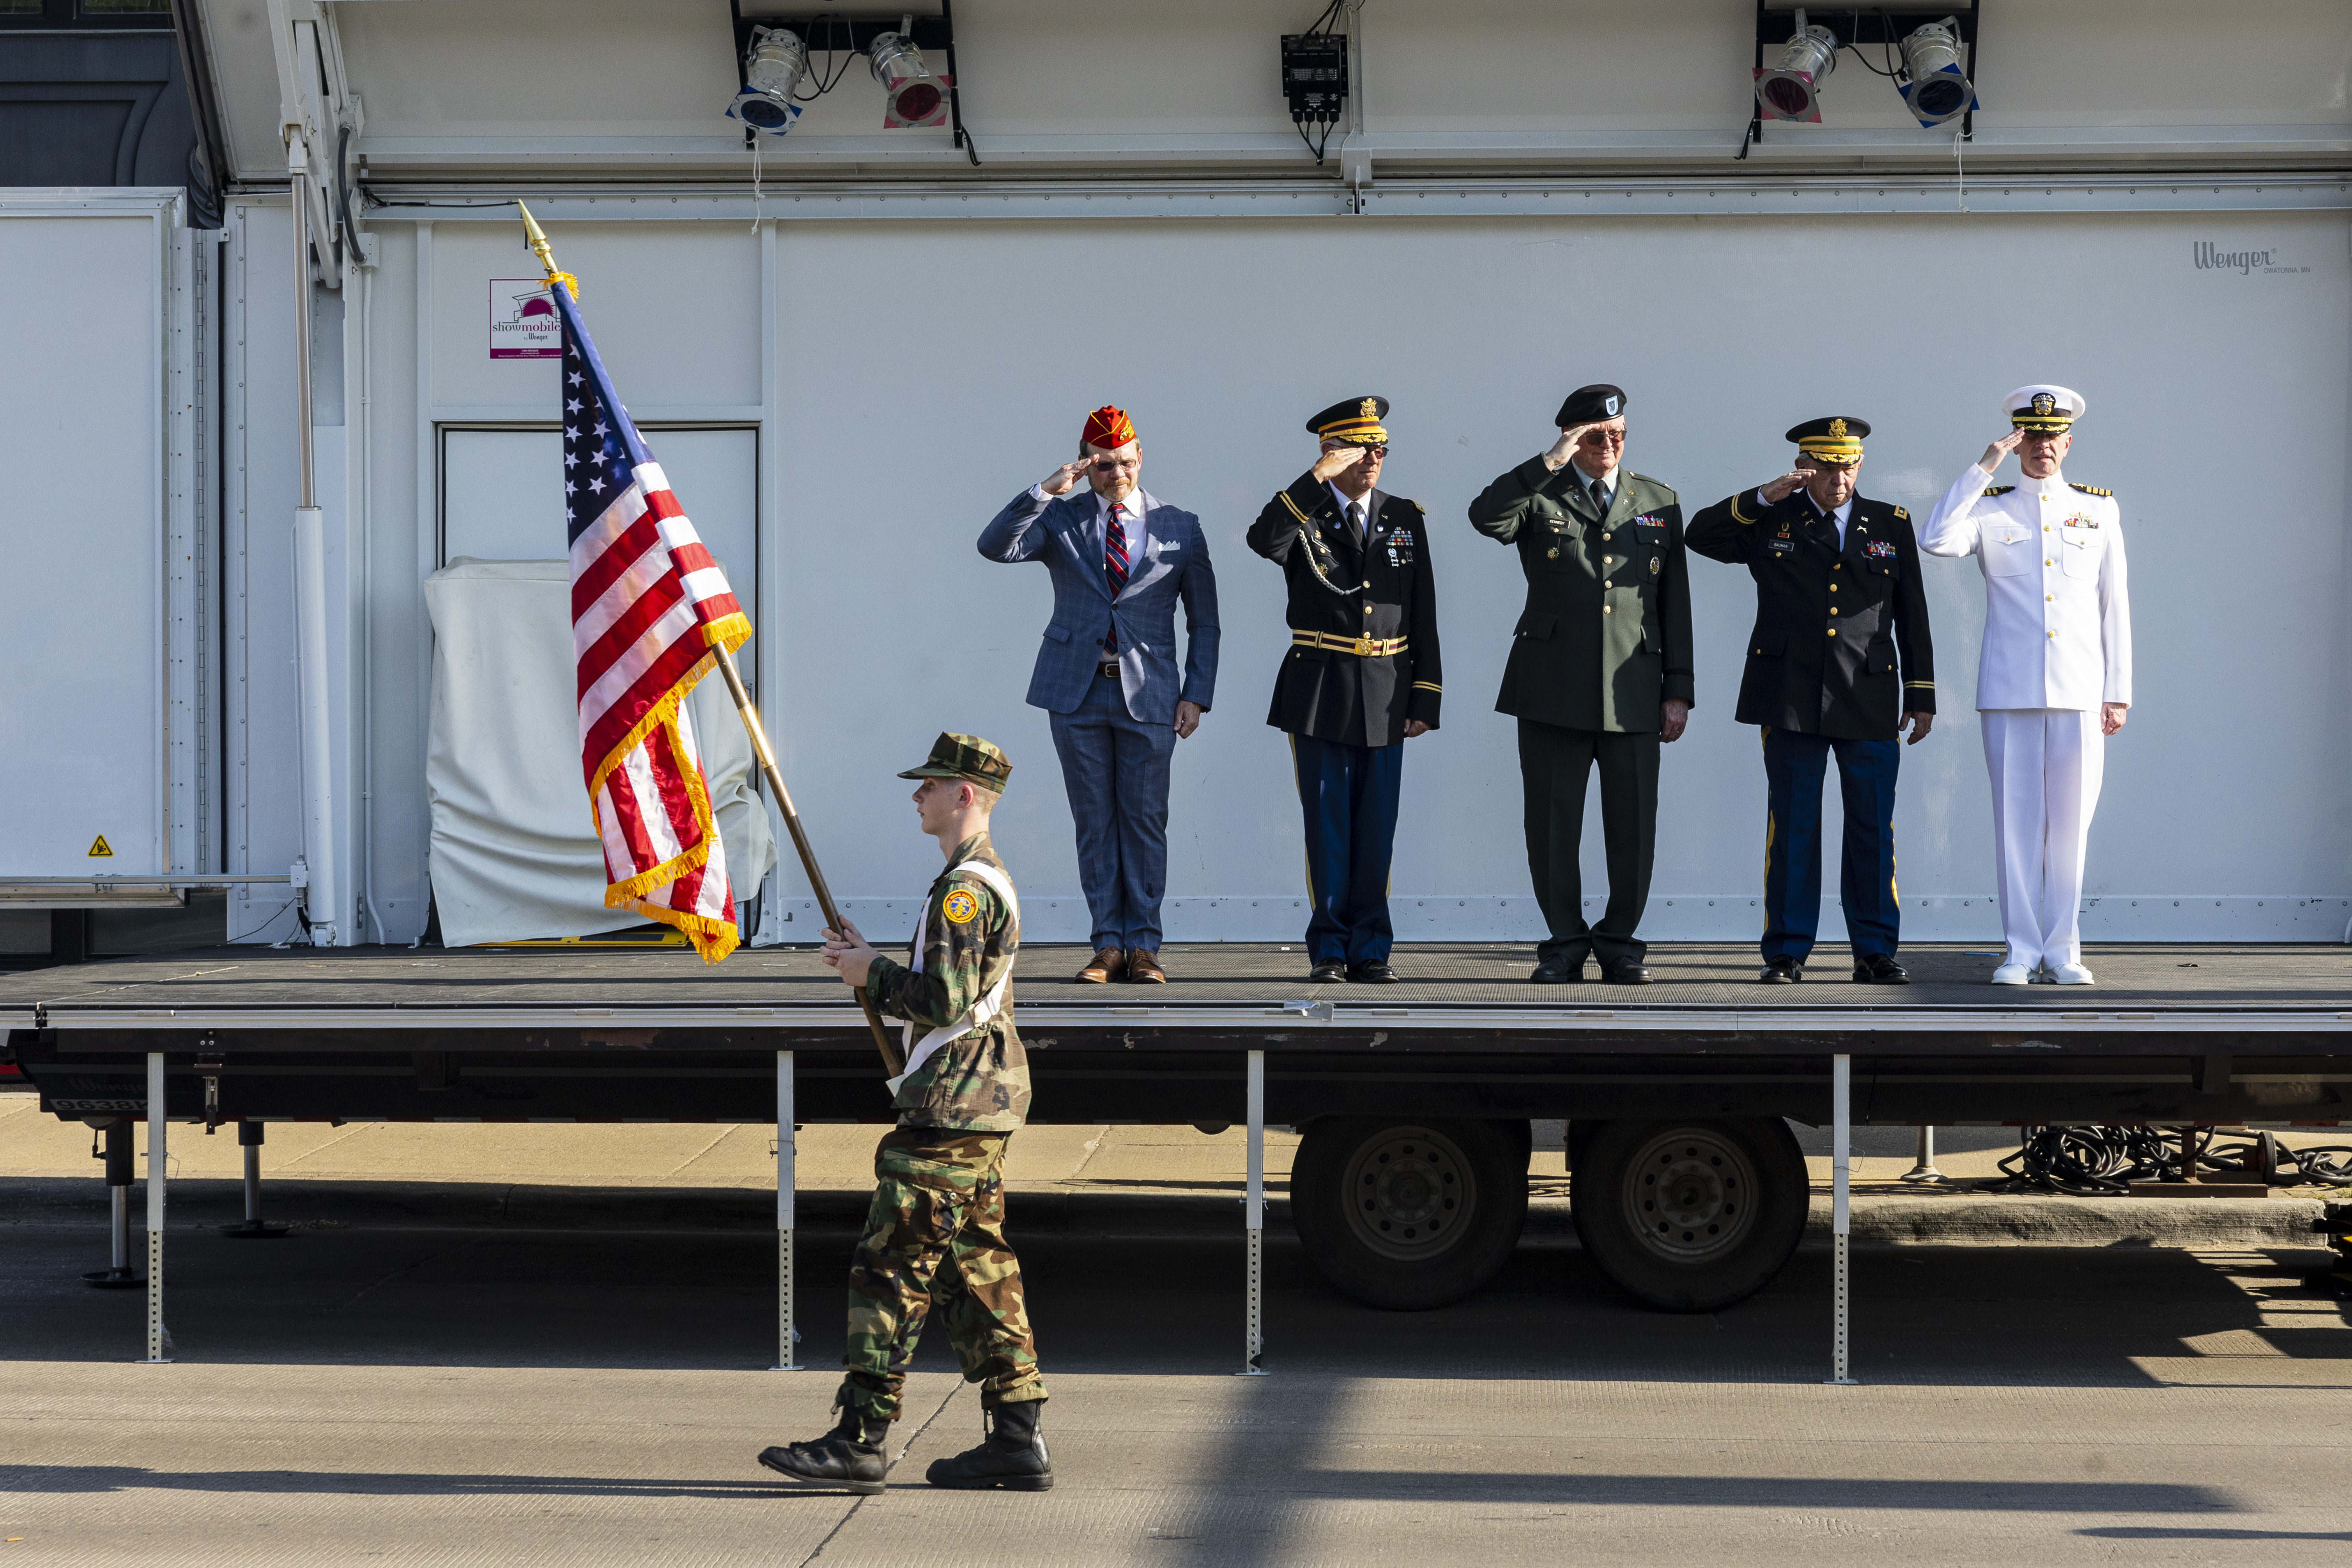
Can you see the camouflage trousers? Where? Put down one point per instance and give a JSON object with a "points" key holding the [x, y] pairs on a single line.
{"points": [[934, 1236]]}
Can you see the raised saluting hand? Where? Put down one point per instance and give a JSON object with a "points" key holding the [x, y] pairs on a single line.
{"points": [[1990, 462], [1338, 461], [1060, 481]]}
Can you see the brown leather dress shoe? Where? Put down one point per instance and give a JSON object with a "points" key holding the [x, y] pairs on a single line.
{"points": [[1143, 969], [1105, 966]]}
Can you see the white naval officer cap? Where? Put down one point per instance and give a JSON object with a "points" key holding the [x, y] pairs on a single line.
{"points": [[2049, 410]]}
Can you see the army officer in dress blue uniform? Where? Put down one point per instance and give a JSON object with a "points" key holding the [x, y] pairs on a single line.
{"points": [[1840, 662], [1360, 678]]}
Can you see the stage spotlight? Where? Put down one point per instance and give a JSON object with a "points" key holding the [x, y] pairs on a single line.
{"points": [[771, 74], [915, 97], [1939, 89], [1791, 89]]}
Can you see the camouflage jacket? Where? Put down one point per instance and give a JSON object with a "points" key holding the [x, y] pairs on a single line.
{"points": [[980, 1081]]}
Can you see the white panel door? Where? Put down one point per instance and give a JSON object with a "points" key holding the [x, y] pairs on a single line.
{"points": [[83, 725]]}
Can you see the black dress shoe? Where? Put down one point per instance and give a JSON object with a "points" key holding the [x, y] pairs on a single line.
{"points": [[1372, 972], [1781, 972], [1880, 969], [1330, 971], [1557, 972], [1625, 972]]}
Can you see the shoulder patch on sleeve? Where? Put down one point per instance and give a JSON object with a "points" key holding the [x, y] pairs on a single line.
{"points": [[961, 906], [1999, 490], [2090, 489]]}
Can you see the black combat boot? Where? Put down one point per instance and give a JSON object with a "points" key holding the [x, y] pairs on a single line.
{"points": [[850, 1456], [1012, 1456]]}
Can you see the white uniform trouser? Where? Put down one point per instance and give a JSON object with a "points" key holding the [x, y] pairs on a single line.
{"points": [[2045, 765]]}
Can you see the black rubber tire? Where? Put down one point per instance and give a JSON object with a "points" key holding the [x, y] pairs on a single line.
{"points": [[1728, 1215], [1408, 1179]]}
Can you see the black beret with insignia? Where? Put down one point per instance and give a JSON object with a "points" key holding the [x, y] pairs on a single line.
{"points": [[1356, 420], [1591, 404]]}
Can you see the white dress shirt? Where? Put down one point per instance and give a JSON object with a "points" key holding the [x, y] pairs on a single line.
{"points": [[1836, 518], [1363, 508], [1130, 523], [1603, 490], [2057, 608]]}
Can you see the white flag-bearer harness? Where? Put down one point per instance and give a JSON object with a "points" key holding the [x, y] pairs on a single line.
{"points": [[987, 1008]]}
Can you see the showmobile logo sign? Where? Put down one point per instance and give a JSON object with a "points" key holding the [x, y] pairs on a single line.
{"points": [[523, 322], [2210, 257]]}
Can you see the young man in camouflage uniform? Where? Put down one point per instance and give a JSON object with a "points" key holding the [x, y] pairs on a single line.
{"points": [[936, 1230]]}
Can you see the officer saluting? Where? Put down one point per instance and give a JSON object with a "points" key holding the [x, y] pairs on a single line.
{"points": [[1600, 671], [2055, 676], [1361, 676], [1838, 601]]}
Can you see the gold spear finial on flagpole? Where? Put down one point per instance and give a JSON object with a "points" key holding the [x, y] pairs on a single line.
{"points": [[535, 237]]}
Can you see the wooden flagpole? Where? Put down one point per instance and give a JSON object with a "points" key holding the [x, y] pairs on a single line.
{"points": [[537, 238], [768, 770]]}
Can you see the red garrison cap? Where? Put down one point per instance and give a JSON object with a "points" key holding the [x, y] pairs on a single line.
{"points": [[1109, 429]]}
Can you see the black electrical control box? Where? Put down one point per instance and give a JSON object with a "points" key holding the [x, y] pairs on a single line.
{"points": [[1314, 76]]}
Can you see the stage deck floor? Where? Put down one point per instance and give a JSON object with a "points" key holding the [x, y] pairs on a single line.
{"points": [[2301, 985]]}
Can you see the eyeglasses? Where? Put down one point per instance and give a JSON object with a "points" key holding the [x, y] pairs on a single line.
{"points": [[1374, 454], [1608, 437]]}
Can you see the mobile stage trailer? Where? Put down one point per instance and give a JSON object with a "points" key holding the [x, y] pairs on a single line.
{"points": [[1410, 1185], [232, 690]]}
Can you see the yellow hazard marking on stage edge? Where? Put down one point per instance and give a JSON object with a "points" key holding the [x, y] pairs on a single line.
{"points": [[960, 907], [99, 849]]}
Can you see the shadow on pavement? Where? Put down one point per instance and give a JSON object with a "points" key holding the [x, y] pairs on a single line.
{"points": [[1483, 1486]]}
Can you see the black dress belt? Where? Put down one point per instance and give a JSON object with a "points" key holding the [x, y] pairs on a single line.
{"points": [[1107, 668]]}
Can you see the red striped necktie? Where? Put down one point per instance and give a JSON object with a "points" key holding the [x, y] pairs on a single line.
{"points": [[1114, 563]]}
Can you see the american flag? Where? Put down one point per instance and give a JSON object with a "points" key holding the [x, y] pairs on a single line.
{"points": [[648, 607]]}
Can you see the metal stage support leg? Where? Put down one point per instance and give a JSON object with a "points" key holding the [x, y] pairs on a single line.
{"points": [[1841, 1212], [248, 1140], [786, 1175], [158, 1169], [1254, 1220], [1922, 1172], [120, 1168]]}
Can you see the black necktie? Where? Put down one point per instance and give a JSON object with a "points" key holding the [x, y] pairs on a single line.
{"points": [[1356, 522]]}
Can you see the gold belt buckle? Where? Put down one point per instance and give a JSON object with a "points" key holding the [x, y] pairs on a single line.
{"points": [[1364, 648]]}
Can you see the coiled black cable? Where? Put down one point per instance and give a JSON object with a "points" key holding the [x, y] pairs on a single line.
{"points": [[2103, 1161]]}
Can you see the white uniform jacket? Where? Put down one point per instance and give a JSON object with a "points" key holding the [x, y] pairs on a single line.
{"points": [[2057, 612]]}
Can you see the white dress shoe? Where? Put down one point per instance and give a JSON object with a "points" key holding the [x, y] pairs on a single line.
{"points": [[2010, 974], [2070, 975]]}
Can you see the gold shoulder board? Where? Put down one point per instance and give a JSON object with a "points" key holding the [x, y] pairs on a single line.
{"points": [[2091, 490], [1999, 490]]}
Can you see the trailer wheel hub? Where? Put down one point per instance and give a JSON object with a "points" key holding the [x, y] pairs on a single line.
{"points": [[1410, 1193], [1690, 1194]]}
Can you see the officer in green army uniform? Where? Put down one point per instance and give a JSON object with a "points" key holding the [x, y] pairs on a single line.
{"points": [[1600, 672], [936, 1230]]}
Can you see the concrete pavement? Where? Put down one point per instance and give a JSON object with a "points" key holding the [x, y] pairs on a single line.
{"points": [[435, 1395]]}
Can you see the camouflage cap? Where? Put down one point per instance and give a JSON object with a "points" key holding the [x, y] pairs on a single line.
{"points": [[966, 757]]}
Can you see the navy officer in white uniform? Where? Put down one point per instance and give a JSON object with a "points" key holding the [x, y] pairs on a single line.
{"points": [[2055, 676]]}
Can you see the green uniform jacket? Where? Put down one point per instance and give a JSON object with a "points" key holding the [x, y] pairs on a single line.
{"points": [[1606, 634], [978, 1082]]}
